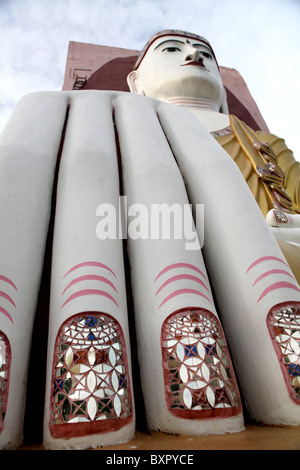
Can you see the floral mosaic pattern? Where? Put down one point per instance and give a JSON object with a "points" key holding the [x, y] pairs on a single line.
{"points": [[4, 376], [284, 327], [91, 382], [199, 378]]}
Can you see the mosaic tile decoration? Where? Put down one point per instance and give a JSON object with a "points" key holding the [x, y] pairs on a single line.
{"points": [[284, 327], [5, 356], [90, 387], [199, 377]]}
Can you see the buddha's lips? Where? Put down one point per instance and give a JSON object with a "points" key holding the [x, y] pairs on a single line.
{"points": [[194, 62]]}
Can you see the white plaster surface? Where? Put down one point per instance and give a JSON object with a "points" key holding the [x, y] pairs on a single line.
{"points": [[28, 152], [236, 235]]}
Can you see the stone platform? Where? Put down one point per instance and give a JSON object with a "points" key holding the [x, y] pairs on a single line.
{"points": [[252, 438]]}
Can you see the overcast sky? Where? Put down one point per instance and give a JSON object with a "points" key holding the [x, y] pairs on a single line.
{"points": [[259, 38]]}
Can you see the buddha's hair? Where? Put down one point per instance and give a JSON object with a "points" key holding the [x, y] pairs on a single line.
{"points": [[170, 32]]}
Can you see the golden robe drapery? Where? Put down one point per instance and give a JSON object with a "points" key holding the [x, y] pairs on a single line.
{"points": [[271, 172]]}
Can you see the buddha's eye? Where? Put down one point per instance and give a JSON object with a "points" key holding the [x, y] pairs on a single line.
{"points": [[171, 49], [207, 55]]}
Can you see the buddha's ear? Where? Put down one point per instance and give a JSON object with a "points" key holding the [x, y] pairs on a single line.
{"points": [[133, 83], [224, 106]]}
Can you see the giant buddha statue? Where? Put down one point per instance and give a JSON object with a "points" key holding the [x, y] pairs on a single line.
{"points": [[181, 68], [207, 274]]}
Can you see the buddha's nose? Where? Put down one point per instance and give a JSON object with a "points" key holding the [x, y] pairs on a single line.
{"points": [[193, 54]]}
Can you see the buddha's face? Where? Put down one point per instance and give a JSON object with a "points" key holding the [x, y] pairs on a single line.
{"points": [[178, 66]]}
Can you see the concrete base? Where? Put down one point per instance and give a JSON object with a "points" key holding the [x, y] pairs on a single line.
{"points": [[252, 438]]}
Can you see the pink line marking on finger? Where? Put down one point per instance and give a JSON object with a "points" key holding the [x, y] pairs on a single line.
{"points": [[7, 297], [5, 279], [179, 277], [180, 265], [183, 291], [265, 258], [273, 271], [278, 285], [90, 263], [89, 292], [90, 277], [2, 310]]}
